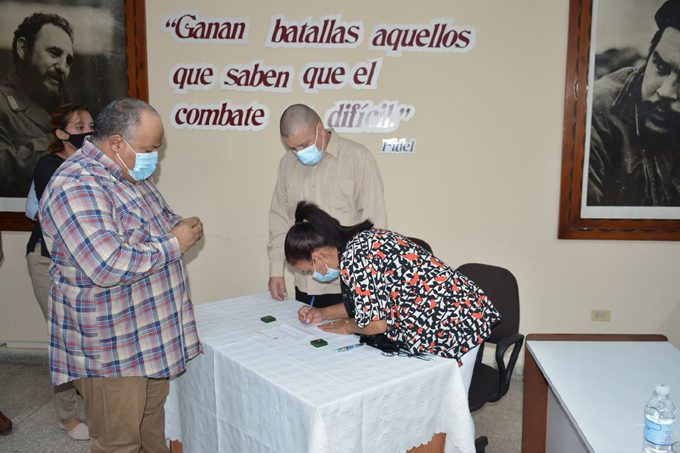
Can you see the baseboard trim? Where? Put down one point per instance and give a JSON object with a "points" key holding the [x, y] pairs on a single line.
{"points": [[27, 353]]}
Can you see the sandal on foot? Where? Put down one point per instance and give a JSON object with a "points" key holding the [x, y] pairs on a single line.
{"points": [[80, 432]]}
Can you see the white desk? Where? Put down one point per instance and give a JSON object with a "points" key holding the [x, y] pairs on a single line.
{"points": [[260, 388], [584, 378]]}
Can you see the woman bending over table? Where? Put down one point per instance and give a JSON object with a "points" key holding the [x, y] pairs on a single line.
{"points": [[390, 285]]}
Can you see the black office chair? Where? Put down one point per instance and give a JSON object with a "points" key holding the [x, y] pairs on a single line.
{"points": [[421, 243], [488, 383]]}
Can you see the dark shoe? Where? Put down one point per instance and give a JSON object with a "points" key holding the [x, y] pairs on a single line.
{"points": [[5, 424]]}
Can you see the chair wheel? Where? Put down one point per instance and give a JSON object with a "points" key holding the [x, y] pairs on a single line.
{"points": [[480, 444]]}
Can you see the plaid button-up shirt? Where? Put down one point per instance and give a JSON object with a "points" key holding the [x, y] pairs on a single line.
{"points": [[119, 301]]}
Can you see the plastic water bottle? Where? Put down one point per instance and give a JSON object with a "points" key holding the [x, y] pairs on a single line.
{"points": [[659, 420]]}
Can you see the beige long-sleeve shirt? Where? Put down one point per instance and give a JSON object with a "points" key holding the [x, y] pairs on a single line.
{"points": [[346, 183]]}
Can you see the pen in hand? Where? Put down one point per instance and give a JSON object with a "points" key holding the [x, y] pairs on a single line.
{"points": [[311, 305]]}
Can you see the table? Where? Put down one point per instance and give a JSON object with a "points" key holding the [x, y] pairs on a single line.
{"points": [[587, 393], [261, 387]]}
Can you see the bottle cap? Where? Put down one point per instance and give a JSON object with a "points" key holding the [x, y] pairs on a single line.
{"points": [[662, 390]]}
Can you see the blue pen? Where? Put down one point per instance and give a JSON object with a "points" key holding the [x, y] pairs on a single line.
{"points": [[347, 348], [311, 305]]}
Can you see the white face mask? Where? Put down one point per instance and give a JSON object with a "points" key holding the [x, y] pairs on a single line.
{"points": [[330, 275], [145, 164], [311, 155]]}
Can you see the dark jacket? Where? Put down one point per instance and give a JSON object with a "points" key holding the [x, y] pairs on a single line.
{"points": [[24, 136], [625, 169]]}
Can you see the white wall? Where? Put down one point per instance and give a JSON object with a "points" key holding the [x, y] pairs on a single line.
{"points": [[483, 185]]}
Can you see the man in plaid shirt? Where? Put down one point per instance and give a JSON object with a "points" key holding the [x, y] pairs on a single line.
{"points": [[121, 318]]}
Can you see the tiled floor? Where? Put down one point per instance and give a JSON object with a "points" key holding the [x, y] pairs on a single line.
{"points": [[26, 398], [501, 421]]}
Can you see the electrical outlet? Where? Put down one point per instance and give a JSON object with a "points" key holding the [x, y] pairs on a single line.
{"points": [[601, 315]]}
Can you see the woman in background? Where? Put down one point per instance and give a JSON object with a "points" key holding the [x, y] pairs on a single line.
{"points": [[390, 285], [69, 124]]}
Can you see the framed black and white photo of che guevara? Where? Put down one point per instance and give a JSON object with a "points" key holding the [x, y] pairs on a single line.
{"points": [[621, 137]]}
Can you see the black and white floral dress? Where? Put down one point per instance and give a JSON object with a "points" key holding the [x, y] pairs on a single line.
{"points": [[429, 307]]}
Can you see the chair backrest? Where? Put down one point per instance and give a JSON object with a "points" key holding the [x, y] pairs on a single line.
{"points": [[421, 243], [501, 287]]}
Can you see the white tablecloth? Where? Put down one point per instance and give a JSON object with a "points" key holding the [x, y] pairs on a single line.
{"points": [[263, 388]]}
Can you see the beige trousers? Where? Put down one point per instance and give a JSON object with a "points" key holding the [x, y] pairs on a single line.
{"points": [[125, 414], [39, 270], [65, 395]]}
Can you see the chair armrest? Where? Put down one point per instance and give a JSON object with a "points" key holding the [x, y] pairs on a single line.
{"points": [[505, 371], [506, 342]]}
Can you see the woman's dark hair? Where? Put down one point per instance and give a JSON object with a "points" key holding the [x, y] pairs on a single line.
{"points": [[59, 120], [315, 228]]}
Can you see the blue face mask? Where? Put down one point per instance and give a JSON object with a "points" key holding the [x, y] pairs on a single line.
{"points": [[331, 274], [311, 155], [145, 164]]}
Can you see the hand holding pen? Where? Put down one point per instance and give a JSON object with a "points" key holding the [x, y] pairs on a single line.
{"points": [[309, 314], [311, 305]]}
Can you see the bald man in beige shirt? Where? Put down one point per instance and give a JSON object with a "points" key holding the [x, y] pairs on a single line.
{"points": [[339, 175]]}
